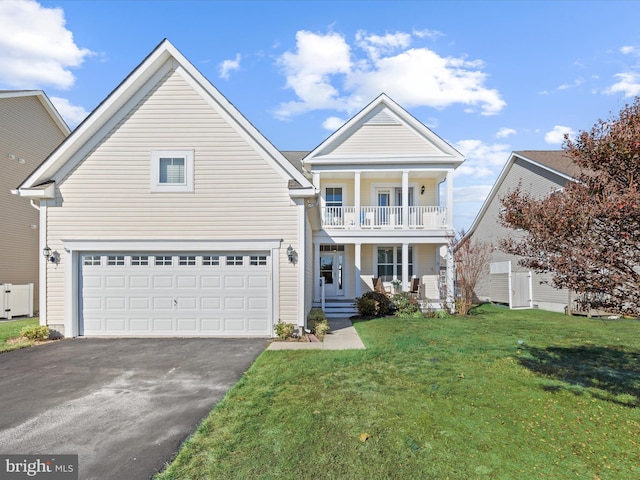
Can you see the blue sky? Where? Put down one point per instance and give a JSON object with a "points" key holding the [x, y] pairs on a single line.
{"points": [[488, 77]]}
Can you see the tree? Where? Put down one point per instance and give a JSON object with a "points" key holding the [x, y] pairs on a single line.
{"points": [[587, 235], [471, 257]]}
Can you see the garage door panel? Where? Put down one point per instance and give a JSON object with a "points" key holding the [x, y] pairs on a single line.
{"points": [[115, 303], [210, 303], [175, 297], [160, 324], [163, 281], [139, 281], [139, 303], [190, 281], [187, 303], [162, 303], [140, 324], [210, 281]]}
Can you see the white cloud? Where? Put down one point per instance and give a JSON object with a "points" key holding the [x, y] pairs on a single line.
{"points": [[556, 136], [472, 193], [333, 123], [628, 84], [72, 114], [505, 132], [228, 66], [325, 72], [37, 49], [628, 50], [576, 83], [482, 159]]}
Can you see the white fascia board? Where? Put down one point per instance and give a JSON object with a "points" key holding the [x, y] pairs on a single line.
{"points": [[47, 191], [171, 245]]}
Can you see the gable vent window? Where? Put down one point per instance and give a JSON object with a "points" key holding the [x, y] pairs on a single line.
{"points": [[172, 171]]}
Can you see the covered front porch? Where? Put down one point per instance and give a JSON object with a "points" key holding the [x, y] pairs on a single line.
{"points": [[346, 270]]}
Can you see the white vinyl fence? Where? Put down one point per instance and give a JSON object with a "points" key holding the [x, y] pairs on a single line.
{"points": [[16, 300]]}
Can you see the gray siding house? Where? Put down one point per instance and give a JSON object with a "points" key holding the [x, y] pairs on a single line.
{"points": [[540, 172], [30, 128]]}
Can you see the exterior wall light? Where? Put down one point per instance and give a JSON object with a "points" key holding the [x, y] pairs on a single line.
{"points": [[53, 257], [292, 255], [422, 190]]}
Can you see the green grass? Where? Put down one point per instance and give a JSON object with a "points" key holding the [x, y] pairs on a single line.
{"points": [[497, 395], [11, 329]]}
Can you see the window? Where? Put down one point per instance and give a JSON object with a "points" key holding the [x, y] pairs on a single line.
{"points": [[333, 196], [210, 260], [390, 263], [163, 260], [187, 260], [139, 260], [91, 260], [115, 260], [172, 171], [234, 259], [257, 260]]}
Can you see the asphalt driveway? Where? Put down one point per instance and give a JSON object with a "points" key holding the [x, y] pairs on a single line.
{"points": [[123, 405]]}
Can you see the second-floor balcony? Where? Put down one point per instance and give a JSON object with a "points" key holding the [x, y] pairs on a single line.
{"points": [[421, 217]]}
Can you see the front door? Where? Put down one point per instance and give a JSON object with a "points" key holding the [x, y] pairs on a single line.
{"points": [[332, 271]]}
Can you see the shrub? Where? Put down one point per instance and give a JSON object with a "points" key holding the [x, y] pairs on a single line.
{"points": [[406, 305], [35, 332], [284, 330], [317, 322], [382, 305]]}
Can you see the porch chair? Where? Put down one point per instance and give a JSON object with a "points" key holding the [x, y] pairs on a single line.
{"points": [[415, 287], [378, 285]]}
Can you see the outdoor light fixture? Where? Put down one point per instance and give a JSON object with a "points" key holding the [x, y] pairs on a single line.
{"points": [[422, 190], [53, 257], [292, 255]]}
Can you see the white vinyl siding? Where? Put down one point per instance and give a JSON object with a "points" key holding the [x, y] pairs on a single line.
{"points": [[237, 194], [28, 132], [385, 140]]}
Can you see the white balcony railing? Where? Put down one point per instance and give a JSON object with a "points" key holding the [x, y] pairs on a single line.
{"points": [[384, 218]]}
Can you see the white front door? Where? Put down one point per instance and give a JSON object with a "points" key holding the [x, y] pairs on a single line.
{"points": [[332, 271]]}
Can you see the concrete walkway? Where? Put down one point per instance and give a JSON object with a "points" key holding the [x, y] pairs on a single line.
{"points": [[341, 336]]}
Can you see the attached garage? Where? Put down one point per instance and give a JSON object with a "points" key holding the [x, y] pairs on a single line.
{"points": [[169, 293], [188, 294]]}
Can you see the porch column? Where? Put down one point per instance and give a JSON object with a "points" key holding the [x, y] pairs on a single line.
{"points": [[405, 267], [449, 187], [356, 198], [405, 198], [357, 263], [450, 284], [316, 271]]}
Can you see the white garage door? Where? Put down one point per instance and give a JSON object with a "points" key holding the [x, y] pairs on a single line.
{"points": [[169, 294]]}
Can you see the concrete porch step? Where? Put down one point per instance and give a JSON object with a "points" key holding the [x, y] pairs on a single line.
{"points": [[338, 308]]}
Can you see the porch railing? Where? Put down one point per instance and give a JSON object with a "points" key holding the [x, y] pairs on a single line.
{"points": [[428, 217]]}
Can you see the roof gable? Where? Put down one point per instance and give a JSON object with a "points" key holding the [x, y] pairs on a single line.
{"points": [[555, 162], [164, 59], [46, 103], [384, 132]]}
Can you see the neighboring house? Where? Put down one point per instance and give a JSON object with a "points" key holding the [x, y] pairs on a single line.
{"points": [[168, 213], [539, 172], [30, 128]]}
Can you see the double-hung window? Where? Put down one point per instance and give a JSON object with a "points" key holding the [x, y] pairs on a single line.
{"points": [[172, 171]]}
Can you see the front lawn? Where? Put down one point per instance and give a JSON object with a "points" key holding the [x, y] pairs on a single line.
{"points": [[500, 394], [11, 329]]}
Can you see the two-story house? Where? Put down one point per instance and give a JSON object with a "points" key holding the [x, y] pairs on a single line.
{"points": [[385, 184], [166, 212]]}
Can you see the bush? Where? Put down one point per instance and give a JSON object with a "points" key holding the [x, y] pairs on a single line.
{"points": [[374, 304], [284, 330], [317, 322], [35, 332], [406, 305]]}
